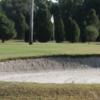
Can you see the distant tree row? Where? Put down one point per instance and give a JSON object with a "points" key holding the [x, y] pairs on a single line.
{"points": [[74, 20]]}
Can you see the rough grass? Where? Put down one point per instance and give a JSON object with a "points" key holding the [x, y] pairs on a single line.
{"points": [[20, 49], [29, 91]]}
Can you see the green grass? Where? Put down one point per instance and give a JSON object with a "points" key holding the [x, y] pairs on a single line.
{"points": [[20, 49], [29, 91]]}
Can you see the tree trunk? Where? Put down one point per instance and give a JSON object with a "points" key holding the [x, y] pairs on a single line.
{"points": [[3, 40]]}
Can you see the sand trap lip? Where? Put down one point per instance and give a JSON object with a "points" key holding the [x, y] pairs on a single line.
{"points": [[52, 70]]}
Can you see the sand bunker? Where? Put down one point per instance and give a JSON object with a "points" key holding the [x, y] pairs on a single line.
{"points": [[84, 70]]}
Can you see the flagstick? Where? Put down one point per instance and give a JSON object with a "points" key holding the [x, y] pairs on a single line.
{"points": [[31, 22]]}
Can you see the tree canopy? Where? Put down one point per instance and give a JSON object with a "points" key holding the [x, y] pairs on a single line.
{"points": [[71, 18]]}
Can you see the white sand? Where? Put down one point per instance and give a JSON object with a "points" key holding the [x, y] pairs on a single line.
{"points": [[85, 75], [88, 76]]}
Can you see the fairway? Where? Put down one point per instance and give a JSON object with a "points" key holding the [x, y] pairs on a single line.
{"points": [[20, 49]]}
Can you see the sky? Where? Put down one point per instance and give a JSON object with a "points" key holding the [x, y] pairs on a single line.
{"points": [[54, 0]]}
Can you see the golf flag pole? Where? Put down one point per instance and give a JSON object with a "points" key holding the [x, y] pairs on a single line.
{"points": [[31, 23]]}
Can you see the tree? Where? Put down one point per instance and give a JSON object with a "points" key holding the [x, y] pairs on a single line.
{"points": [[90, 18], [43, 25], [17, 10], [58, 23], [73, 31], [59, 30], [93, 19], [21, 26], [73, 9], [7, 29]]}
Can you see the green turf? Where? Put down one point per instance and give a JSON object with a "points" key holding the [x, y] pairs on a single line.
{"points": [[20, 49]]}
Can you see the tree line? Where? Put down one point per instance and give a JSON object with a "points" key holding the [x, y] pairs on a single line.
{"points": [[74, 20]]}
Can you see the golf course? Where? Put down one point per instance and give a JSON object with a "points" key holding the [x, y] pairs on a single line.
{"points": [[49, 49], [13, 87]]}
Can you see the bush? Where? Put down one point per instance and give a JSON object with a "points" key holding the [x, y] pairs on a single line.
{"points": [[91, 33], [7, 29], [59, 30]]}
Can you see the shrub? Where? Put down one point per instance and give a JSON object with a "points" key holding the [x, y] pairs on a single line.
{"points": [[91, 33]]}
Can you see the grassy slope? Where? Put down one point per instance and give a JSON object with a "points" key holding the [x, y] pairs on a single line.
{"points": [[18, 49], [15, 91]]}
